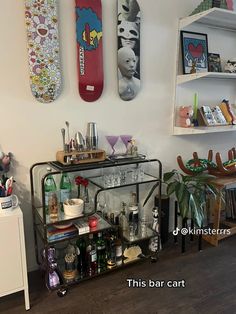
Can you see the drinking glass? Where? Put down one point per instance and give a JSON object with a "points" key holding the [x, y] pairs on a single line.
{"points": [[112, 140], [126, 139]]}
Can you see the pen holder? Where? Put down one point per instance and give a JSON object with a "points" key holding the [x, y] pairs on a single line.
{"points": [[8, 203]]}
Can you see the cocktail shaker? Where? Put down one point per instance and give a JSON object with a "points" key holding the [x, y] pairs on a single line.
{"points": [[92, 136]]}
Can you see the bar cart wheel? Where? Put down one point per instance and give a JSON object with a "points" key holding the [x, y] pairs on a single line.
{"points": [[62, 292]]}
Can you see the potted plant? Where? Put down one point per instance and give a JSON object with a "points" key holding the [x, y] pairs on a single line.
{"points": [[190, 192]]}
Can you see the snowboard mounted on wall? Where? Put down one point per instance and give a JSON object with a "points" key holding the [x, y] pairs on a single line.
{"points": [[89, 48], [43, 49], [128, 58]]}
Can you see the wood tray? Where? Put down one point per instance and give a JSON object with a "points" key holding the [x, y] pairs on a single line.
{"points": [[80, 157]]}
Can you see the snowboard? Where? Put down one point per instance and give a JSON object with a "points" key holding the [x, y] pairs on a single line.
{"points": [[43, 49], [89, 48], [128, 57]]}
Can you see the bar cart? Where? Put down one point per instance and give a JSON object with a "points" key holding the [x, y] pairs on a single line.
{"points": [[95, 174]]}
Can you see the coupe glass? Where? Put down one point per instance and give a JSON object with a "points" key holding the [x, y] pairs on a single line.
{"points": [[126, 139], [112, 140]]}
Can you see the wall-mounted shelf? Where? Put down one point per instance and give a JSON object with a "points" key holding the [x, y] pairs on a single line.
{"points": [[214, 17], [184, 78], [203, 130]]}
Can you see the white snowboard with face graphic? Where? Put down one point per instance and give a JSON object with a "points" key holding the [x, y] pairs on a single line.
{"points": [[43, 49], [128, 33]]}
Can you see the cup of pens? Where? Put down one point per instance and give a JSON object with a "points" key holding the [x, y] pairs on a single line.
{"points": [[8, 201]]}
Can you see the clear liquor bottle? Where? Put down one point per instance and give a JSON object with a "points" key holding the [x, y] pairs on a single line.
{"points": [[134, 213], [50, 188], [65, 188], [123, 221]]}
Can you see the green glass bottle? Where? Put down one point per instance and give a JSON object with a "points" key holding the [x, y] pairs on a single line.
{"points": [[65, 188], [50, 188]]}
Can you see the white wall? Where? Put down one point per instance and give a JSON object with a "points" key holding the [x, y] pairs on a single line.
{"points": [[31, 130]]}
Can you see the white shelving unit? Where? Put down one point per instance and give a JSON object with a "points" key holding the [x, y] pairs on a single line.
{"points": [[213, 18], [13, 259]]}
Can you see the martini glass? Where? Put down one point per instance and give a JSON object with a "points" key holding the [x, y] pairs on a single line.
{"points": [[112, 140], [126, 139]]}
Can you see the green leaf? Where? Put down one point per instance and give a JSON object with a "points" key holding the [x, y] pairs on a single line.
{"points": [[180, 190], [168, 175], [184, 205], [171, 187]]}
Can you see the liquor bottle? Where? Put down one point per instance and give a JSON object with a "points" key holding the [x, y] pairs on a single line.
{"points": [[123, 221], [81, 257], [119, 253], [134, 213], [53, 207], [65, 188], [111, 252], [49, 188], [101, 254], [91, 256]]}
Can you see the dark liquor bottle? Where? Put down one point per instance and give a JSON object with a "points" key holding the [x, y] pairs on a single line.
{"points": [[81, 257], [91, 257], [101, 254]]}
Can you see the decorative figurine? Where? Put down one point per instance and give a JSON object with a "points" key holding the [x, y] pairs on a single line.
{"points": [[155, 244], [53, 277], [70, 266], [184, 116]]}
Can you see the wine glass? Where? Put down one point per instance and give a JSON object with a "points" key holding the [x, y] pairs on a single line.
{"points": [[126, 139], [112, 140]]}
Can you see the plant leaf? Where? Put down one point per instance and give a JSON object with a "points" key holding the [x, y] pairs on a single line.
{"points": [[168, 175]]}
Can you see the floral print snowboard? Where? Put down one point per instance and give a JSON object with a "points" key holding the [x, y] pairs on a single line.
{"points": [[43, 49]]}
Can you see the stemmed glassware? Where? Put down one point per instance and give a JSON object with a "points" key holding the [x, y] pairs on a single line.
{"points": [[112, 140], [126, 139]]}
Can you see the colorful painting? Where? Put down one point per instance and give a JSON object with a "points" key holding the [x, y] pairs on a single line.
{"points": [[43, 49], [128, 33], [89, 48], [194, 52]]}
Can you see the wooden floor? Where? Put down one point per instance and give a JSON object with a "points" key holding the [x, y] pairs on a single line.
{"points": [[210, 278]]}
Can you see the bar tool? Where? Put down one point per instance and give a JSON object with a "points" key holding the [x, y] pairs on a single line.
{"points": [[68, 132], [92, 136], [79, 141], [63, 132]]}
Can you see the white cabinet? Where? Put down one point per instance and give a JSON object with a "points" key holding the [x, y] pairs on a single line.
{"points": [[212, 87], [13, 270]]}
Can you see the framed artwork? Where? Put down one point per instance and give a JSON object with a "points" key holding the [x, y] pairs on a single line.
{"points": [[214, 63], [194, 52]]}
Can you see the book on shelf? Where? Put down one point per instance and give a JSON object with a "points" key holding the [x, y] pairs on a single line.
{"points": [[54, 233]]}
